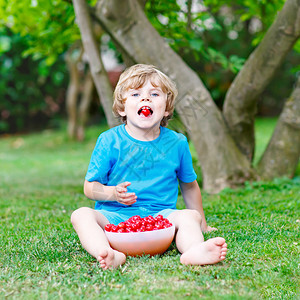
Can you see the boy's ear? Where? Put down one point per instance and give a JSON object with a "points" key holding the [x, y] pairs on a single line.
{"points": [[122, 113], [166, 113]]}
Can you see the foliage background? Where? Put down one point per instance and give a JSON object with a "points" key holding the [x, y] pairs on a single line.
{"points": [[214, 40], [32, 93]]}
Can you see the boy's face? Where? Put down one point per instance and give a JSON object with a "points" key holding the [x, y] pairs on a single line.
{"points": [[145, 107]]}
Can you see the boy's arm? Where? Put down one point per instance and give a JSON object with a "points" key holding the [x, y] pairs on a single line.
{"points": [[192, 197], [96, 191]]}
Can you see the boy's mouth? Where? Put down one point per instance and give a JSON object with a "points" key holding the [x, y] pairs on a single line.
{"points": [[145, 111]]}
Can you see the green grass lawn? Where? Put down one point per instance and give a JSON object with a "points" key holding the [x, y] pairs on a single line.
{"points": [[41, 178]]}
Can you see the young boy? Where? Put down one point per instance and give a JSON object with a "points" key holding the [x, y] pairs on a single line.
{"points": [[135, 169]]}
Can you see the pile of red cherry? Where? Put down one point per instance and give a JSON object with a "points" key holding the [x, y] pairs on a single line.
{"points": [[139, 224]]}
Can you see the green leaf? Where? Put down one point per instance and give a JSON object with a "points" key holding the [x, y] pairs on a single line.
{"points": [[43, 68], [297, 46], [218, 57], [50, 60], [196, 44], [5, 44], [236, 63]]}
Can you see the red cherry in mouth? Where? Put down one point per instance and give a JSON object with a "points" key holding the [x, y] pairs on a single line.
{"points": [[146, 112]]}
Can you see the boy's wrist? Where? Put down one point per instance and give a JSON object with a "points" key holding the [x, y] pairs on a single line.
{"points": [[102, 192]]}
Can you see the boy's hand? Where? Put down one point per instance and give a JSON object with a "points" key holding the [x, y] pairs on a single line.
{"points": [[209, 229], [122, 196]]}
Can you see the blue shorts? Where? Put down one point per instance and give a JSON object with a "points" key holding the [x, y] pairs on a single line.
{"points": [[118, 217]]}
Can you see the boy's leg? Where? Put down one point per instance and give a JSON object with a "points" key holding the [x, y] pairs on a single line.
{"points": [[88, 224], [190, 241]]}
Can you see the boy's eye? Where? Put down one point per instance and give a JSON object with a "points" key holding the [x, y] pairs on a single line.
{"points": [[135, 94], [155, 94]]}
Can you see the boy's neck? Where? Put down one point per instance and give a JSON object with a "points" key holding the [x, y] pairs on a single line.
{"points": [[145, 135]]}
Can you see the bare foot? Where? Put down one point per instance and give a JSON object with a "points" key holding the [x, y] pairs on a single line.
{"points": [[207, 253], [110, 258]]}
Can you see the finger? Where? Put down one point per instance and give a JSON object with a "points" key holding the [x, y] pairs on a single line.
{"points": [[125, 195], [129, 202], [126, 200], [121, 190], [209, 229], [122, 187], [124, 184], [133, 198], [129, 199], [129, 195]]}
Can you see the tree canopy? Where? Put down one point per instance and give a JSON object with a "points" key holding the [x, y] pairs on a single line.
{"points": [[224, 140], [218, 52], [48, 26]]}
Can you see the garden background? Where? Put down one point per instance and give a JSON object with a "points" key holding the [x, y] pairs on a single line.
{"points": [[51, 117]]}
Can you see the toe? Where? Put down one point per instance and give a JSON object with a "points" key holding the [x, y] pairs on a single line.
{"points": [[219, 241]]}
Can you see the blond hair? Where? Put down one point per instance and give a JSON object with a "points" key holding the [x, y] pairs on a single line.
{"points": [[134, 78]]}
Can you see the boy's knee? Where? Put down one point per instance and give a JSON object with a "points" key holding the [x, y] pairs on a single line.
{"points": [[187, 215], [193, 214], [78, 213]]}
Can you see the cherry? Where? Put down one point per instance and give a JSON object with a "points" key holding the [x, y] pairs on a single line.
{"points": [[114, 228], [159, 217], [149, 227], [122, 225], [138, 224], [108, 227], [146, 112]]}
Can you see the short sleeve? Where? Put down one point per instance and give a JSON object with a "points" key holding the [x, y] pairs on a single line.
{"points": [[186, 172], [100, 163]]}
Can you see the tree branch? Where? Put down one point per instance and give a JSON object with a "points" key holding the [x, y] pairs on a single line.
{"points": [[221, 162], [241, 99], [91, 47], [282, 154], [142, 3], [73, 89]]}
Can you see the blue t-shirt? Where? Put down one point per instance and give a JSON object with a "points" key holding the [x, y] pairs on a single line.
{"points": [[152, 167]]}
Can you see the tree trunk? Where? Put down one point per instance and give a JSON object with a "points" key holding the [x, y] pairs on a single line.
{"points": [[282, 154], [91, 47], [72, 93], [83, 110], [222, 163], [241, 99]]}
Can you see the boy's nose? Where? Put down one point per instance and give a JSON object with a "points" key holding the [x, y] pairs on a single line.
{"points": [[145, 99]]}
